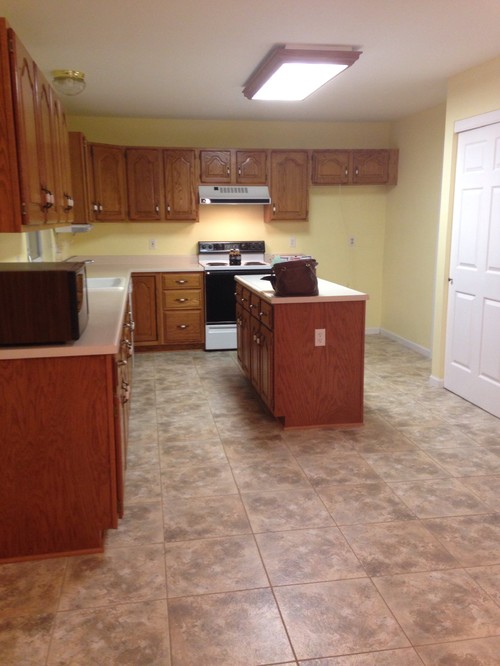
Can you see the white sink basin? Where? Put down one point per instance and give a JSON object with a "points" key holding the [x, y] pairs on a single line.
{"points": [[106, 283]]}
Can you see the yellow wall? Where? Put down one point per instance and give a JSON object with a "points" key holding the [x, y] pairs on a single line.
{"points": [[471, 93], [412, 228]]}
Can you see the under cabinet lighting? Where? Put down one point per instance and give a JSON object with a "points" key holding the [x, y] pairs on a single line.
{"points": [[292, 72]]}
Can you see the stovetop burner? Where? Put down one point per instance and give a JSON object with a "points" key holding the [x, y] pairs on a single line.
{"points": [[213, 254]]}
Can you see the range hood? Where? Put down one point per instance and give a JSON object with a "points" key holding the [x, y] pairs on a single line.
{"points": [[234, 194]]}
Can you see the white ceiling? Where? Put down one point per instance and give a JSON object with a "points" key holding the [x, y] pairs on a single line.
{"points": [[191, 58]]}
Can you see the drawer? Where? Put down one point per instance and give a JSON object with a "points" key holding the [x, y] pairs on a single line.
{"points": [[266, 313], [244, 298], [254, 304], [177, 299], [182, 280], [183, 326]]}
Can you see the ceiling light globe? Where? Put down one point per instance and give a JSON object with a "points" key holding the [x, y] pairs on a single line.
{"points": [[68, 81]]}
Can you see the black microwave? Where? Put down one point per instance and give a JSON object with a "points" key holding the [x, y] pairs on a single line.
{"points": [[42, 303]]}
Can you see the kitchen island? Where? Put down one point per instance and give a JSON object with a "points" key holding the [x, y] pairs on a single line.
{"points": [[304, 355]]}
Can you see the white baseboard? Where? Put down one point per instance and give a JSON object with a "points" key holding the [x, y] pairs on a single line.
{"points": [[372, 331], [437, 382], [406, 343]]}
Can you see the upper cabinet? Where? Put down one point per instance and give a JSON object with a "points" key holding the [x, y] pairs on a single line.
{"points": [[34, 175], [144, 171], [289, 178], [354, 167], [245, 167], [180, 184], [108, 193]]}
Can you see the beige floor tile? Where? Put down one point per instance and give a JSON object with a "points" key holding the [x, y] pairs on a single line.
{"points": [[400, 657], [472, 540], [305, 556], [479, 652], [487, 488], [364, 503], [440, 606], [31, 587], [120, 575], [176, 454], [193, 480], [438, 497], [127, 634], [270, 473], [141, 525], [467, 460], [337, 468], [201, 517], [25, 640], [405, 466], [389, 548], [285, 510], [489, 579], [213, 565], [337, 617], [230, 629]]}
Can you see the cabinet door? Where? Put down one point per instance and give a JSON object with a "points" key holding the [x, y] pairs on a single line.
{"points": [[144, 183], [266, 366], [64, 200], [146, 308], [251, 166], [24, 75], [48, 170], [215, 166], [243, 337], [330, 167], [289, 181], [370, 167], [81, 178], [180, 185], [108, 166]]}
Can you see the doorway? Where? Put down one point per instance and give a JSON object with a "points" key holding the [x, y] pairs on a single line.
{"points": [[472, 361]]}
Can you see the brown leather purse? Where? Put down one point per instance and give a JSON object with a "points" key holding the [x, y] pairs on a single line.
{"points": [[296, 278]]}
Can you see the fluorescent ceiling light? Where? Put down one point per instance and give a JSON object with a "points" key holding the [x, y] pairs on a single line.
{"points": [[293, 72]]}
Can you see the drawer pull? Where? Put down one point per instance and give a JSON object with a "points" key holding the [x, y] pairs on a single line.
{"points": [[183, 326], [182, 300], [181, 281]]}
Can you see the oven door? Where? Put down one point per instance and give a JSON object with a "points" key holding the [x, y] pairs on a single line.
{"points": [[220, 304], [220, 307]]}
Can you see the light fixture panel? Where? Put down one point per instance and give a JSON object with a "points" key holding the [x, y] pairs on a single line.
{"points": [[292, 72]]}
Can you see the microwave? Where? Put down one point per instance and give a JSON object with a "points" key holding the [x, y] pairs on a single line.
{"points": [[42, 303]]}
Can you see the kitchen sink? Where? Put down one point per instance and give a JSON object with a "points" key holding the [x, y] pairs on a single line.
{"points": [[106, 283]]}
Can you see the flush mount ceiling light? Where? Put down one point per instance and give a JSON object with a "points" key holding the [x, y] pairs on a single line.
{"points": [[68, 81], [292, 72]]}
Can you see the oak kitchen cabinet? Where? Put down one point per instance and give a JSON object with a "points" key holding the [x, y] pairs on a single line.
{"points": [[243, 167], [354, 167], [168, 310], [146, 308], [181, 202], [108, 190], [144, 191], [34, 191], [303, 384], [288, 184], [64, 441]]}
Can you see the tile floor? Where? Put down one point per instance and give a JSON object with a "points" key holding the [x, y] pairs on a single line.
{"points": [[244, 544]]}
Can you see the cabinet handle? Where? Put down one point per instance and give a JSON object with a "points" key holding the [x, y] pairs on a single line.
{"points": [[251, 306], [346, 172], [49, 198], [182, 300], [183, 326], [356, 171], [69, 202], [180, 281], [95, 207], [157, 208], [228, 171], [121, 362], [239, 171], [274, 208], [168, 208]]}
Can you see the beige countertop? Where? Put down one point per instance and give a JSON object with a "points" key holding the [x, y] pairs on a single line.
{"points": [[328, 292], [106, 306]]}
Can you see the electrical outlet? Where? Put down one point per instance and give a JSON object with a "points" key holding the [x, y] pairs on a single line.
{"points": [[152, 243], [293, 241], [319, 337]]}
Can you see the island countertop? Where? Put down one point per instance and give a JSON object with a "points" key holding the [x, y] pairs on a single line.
{"points": [[328, 291]]}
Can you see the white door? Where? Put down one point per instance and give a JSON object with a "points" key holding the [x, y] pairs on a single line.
{"points": [[472, 364]]}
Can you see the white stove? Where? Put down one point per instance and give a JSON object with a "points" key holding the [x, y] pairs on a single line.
{"points": [[217, 259]]}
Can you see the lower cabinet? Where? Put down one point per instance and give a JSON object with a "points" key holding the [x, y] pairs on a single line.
{"points": [[302, 384], [61, 476], [168, 310]]}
